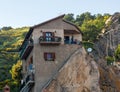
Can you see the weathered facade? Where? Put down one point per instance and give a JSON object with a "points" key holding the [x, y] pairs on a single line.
{"points": [[45, 50]]}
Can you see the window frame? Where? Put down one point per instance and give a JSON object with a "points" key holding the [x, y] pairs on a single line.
{"points": [[47, 56], [48, 36]]}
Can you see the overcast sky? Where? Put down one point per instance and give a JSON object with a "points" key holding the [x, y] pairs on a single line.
{"points": [[19, 13]]}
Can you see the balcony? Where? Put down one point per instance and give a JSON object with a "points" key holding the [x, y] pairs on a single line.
{"points": [[50, 40], [27, 48], [72, 42], [28, 83]]}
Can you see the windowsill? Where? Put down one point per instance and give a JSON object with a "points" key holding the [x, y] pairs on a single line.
{"points": [[49, 60]]}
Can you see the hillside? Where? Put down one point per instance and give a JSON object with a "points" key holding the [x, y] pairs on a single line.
{"points": [[10, 41], [101, 35]]}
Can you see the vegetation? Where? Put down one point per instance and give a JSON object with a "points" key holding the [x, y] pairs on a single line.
{"points": [[90, 25], [10, 41], [110, 60], [16, 71], [117, 53], [87, 44]]}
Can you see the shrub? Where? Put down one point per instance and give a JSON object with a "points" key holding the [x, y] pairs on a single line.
{"points": [[117, 53], [110, 60]]}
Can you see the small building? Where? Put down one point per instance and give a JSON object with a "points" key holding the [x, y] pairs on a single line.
{"points": [[6, 88], [44, 51]]}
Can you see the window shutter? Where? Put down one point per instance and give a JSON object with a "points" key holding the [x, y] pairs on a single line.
{"points": [[53, 56], [44, 34], [53, 34], [45, 56]]}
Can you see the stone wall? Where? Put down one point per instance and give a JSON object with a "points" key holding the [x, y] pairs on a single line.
{"points": [[44, 70]]}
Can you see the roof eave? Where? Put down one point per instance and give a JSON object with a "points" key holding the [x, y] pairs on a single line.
{"points": [[73, 25], [26, 37], [61, 16]]}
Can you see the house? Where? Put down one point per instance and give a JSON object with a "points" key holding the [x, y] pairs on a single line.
{"points": [[6, 88], [45, 49]]}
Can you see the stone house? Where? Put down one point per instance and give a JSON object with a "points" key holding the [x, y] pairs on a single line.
{"points": [[45, 50]]}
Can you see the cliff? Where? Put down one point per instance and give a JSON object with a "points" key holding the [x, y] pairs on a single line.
{"points": [[79, 74], [89, 72], [105, 46]]}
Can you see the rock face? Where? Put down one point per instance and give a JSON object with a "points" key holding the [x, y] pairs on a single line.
{"points": [[82, 74], [111, 38], [79, 74], [109, 79]]}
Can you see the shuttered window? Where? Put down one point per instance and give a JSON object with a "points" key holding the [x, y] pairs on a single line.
{"points": [[49, 56]]}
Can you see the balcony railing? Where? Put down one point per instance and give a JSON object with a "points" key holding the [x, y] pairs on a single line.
{"points": [[50, 40], [72, 42], [27, 47], [27, 83]]}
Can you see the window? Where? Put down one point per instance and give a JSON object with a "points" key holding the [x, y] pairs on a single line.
{"points": [[49, 56], [48, 36]]}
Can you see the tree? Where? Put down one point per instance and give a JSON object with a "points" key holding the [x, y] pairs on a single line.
{"points": [[69, 17], [90, 32], [6, 28], [16, 71], [90, 25], [83, 17]]}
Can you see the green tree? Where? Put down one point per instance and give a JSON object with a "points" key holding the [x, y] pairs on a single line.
{"points": [[90, 32], [90, 25], [6, 28], [69, 17]]}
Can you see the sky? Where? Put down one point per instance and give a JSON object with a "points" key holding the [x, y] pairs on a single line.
{"points": [[20, 13]]}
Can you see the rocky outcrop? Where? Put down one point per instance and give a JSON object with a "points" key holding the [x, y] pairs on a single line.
{"points": [[82, 74], [109, 40], [79, 74], [109, 79]]}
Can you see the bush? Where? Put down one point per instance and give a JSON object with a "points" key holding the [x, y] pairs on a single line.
{"points": [[87, 44], [117, 53], [110, 60]]}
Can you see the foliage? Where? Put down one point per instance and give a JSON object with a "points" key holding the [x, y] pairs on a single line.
{"points": [[90, 25], [13, 86], [109, 60], [10, 41], [6, 28], [70, 17], [16, 71], [117, 53], [87, 44]]}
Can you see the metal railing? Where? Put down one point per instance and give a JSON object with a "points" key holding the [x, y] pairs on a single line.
{"points": [[72, 42], [27, 83], [50, 39]]}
